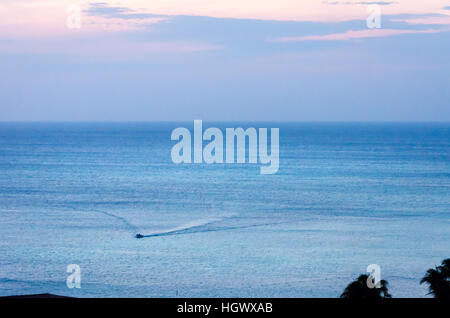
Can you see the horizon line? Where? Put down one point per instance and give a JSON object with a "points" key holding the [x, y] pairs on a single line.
{"points": [[221, 121]]}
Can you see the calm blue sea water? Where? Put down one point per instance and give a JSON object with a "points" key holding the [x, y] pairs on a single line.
{"points": [[346, 196]]}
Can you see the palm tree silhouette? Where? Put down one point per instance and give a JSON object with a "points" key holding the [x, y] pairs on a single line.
{"points": [[359, 289], [438, 280]]}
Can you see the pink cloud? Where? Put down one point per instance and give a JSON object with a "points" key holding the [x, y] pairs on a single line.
{"points": [[352, 35], [439, 20]]}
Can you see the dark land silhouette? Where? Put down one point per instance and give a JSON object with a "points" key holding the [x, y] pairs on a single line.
{"points": [[359, 289], [438, 280]]}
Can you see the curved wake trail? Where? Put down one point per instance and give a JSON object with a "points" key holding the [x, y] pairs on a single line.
{"points": [[180, 229], [124, 221], [119, 218], [201, 226]]}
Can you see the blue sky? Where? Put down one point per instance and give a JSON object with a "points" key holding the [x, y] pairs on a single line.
{"points": [[133, 63]]}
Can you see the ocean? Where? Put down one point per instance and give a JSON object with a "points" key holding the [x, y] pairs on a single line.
{"points": [[346, 195]]}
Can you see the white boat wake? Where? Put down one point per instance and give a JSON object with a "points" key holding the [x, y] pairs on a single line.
{"points": [[181, 229], [199, 226]]}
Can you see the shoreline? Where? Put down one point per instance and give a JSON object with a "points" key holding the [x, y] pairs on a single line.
{"points": [[45, 295]]}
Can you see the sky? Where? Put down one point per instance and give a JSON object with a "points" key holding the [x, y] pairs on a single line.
{"points": [[224, 60]]}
